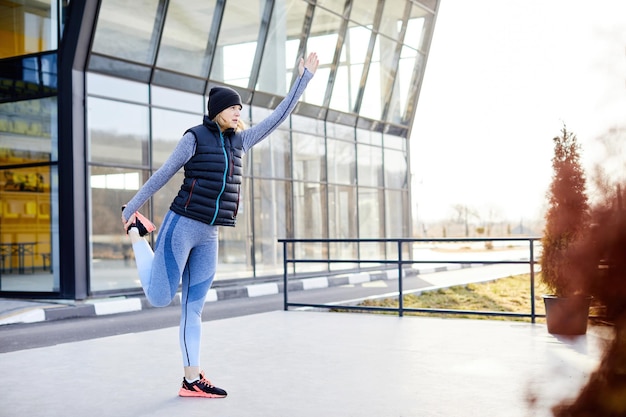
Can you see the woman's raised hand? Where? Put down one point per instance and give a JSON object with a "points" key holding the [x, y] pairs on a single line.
{"points": [[311, 63]]}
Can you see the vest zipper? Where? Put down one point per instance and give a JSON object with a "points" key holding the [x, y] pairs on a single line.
{"points": [[219, 196]]}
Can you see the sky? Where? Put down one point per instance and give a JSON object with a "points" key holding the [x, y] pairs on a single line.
{"points": [[502, 79]]}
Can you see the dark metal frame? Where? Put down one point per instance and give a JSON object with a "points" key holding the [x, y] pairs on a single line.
{"points": [[400, 263]]}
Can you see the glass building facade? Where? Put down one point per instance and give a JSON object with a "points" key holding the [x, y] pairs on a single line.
{"points": [[95, 95]]}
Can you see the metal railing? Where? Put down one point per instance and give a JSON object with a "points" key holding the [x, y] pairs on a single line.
{"points": [[399, 263]]}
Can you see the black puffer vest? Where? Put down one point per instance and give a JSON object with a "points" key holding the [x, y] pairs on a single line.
{"points": [[210, 190]]}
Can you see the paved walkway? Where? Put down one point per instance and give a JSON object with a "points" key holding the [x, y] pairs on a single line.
{"points": [[305, 363]]}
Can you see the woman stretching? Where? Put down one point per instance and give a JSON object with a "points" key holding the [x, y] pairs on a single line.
{"points": [[187, 244]]}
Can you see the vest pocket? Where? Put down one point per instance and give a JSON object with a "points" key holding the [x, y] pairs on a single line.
{"points": [[193, 184]]}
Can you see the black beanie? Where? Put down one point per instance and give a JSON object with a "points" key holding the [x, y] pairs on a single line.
{"points": [[221, 98]]}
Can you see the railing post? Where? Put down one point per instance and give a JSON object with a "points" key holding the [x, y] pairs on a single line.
{"points": [[532, 280], [285, 287], [401, 295]]}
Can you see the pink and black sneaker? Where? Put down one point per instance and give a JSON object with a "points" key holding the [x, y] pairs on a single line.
{"points": [[201, 388]]}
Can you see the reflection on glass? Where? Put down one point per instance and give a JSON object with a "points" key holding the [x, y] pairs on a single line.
{"points": [[26, 215], [371, 221], [235, 244], [118, 132], [125, 30], [379, 79], [28, 131], [396, 169], [28, 203], [185, 36], [332, 5], [102, 85], [236, 44], [370, 166], [113, 265], [309, 214], [369, 137], [414, 31], [397, 220], [323, 40], [402, 87], [396, 214], [391, 22], [272, 200], [177, 100], [350, 69], [342, 224], [341, 162], [279, 56], [272, 157], [362, 12], [28, 26], [168, 128], [308, 157]]}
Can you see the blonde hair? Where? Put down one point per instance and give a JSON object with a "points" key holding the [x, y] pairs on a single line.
{"points": [[224, 124]]}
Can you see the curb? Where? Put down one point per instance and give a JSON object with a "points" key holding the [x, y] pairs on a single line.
{"points": [[116, 305]]}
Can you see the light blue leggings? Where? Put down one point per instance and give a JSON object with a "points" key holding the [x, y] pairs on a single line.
{"points": [[185, 249]]}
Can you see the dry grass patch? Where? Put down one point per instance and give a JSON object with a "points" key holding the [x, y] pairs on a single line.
{"points": [[510, 294]]}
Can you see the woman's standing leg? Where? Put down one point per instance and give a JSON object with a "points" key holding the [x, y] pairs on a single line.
{"points": [[196, 281]]}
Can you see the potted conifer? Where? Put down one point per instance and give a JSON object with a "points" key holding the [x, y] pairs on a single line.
{"points": [[604, 394], [567, 219]]}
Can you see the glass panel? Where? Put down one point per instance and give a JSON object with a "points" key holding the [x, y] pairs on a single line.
{"points": [[27, 260], [391, 22], [379, 79], [323, 40], [341, 162], [369, 137], [102, 85], [310, 208], [177, 100], [402, 86], [309, 125], [362, 12], [125, 29], [235, 242], [28, 196], [272, 157], [272, 202], [414, 35], [279, 55], [395, 142], [168, 128], [396, 173], [236, 43], [309, 157], [370, 166], [28, 131], [113, 265], [342, 223], [28, 26], [332, 5], [118, 132], [350, 69], [185, 36], [162, 200], [28, 77], [396, 215], [338, 131], [371, 203]]}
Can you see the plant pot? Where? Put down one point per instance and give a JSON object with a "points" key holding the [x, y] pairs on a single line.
{"points": [[567, 315]]}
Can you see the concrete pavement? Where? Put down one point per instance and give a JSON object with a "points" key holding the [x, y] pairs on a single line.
{"points": [[309, 364]]}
